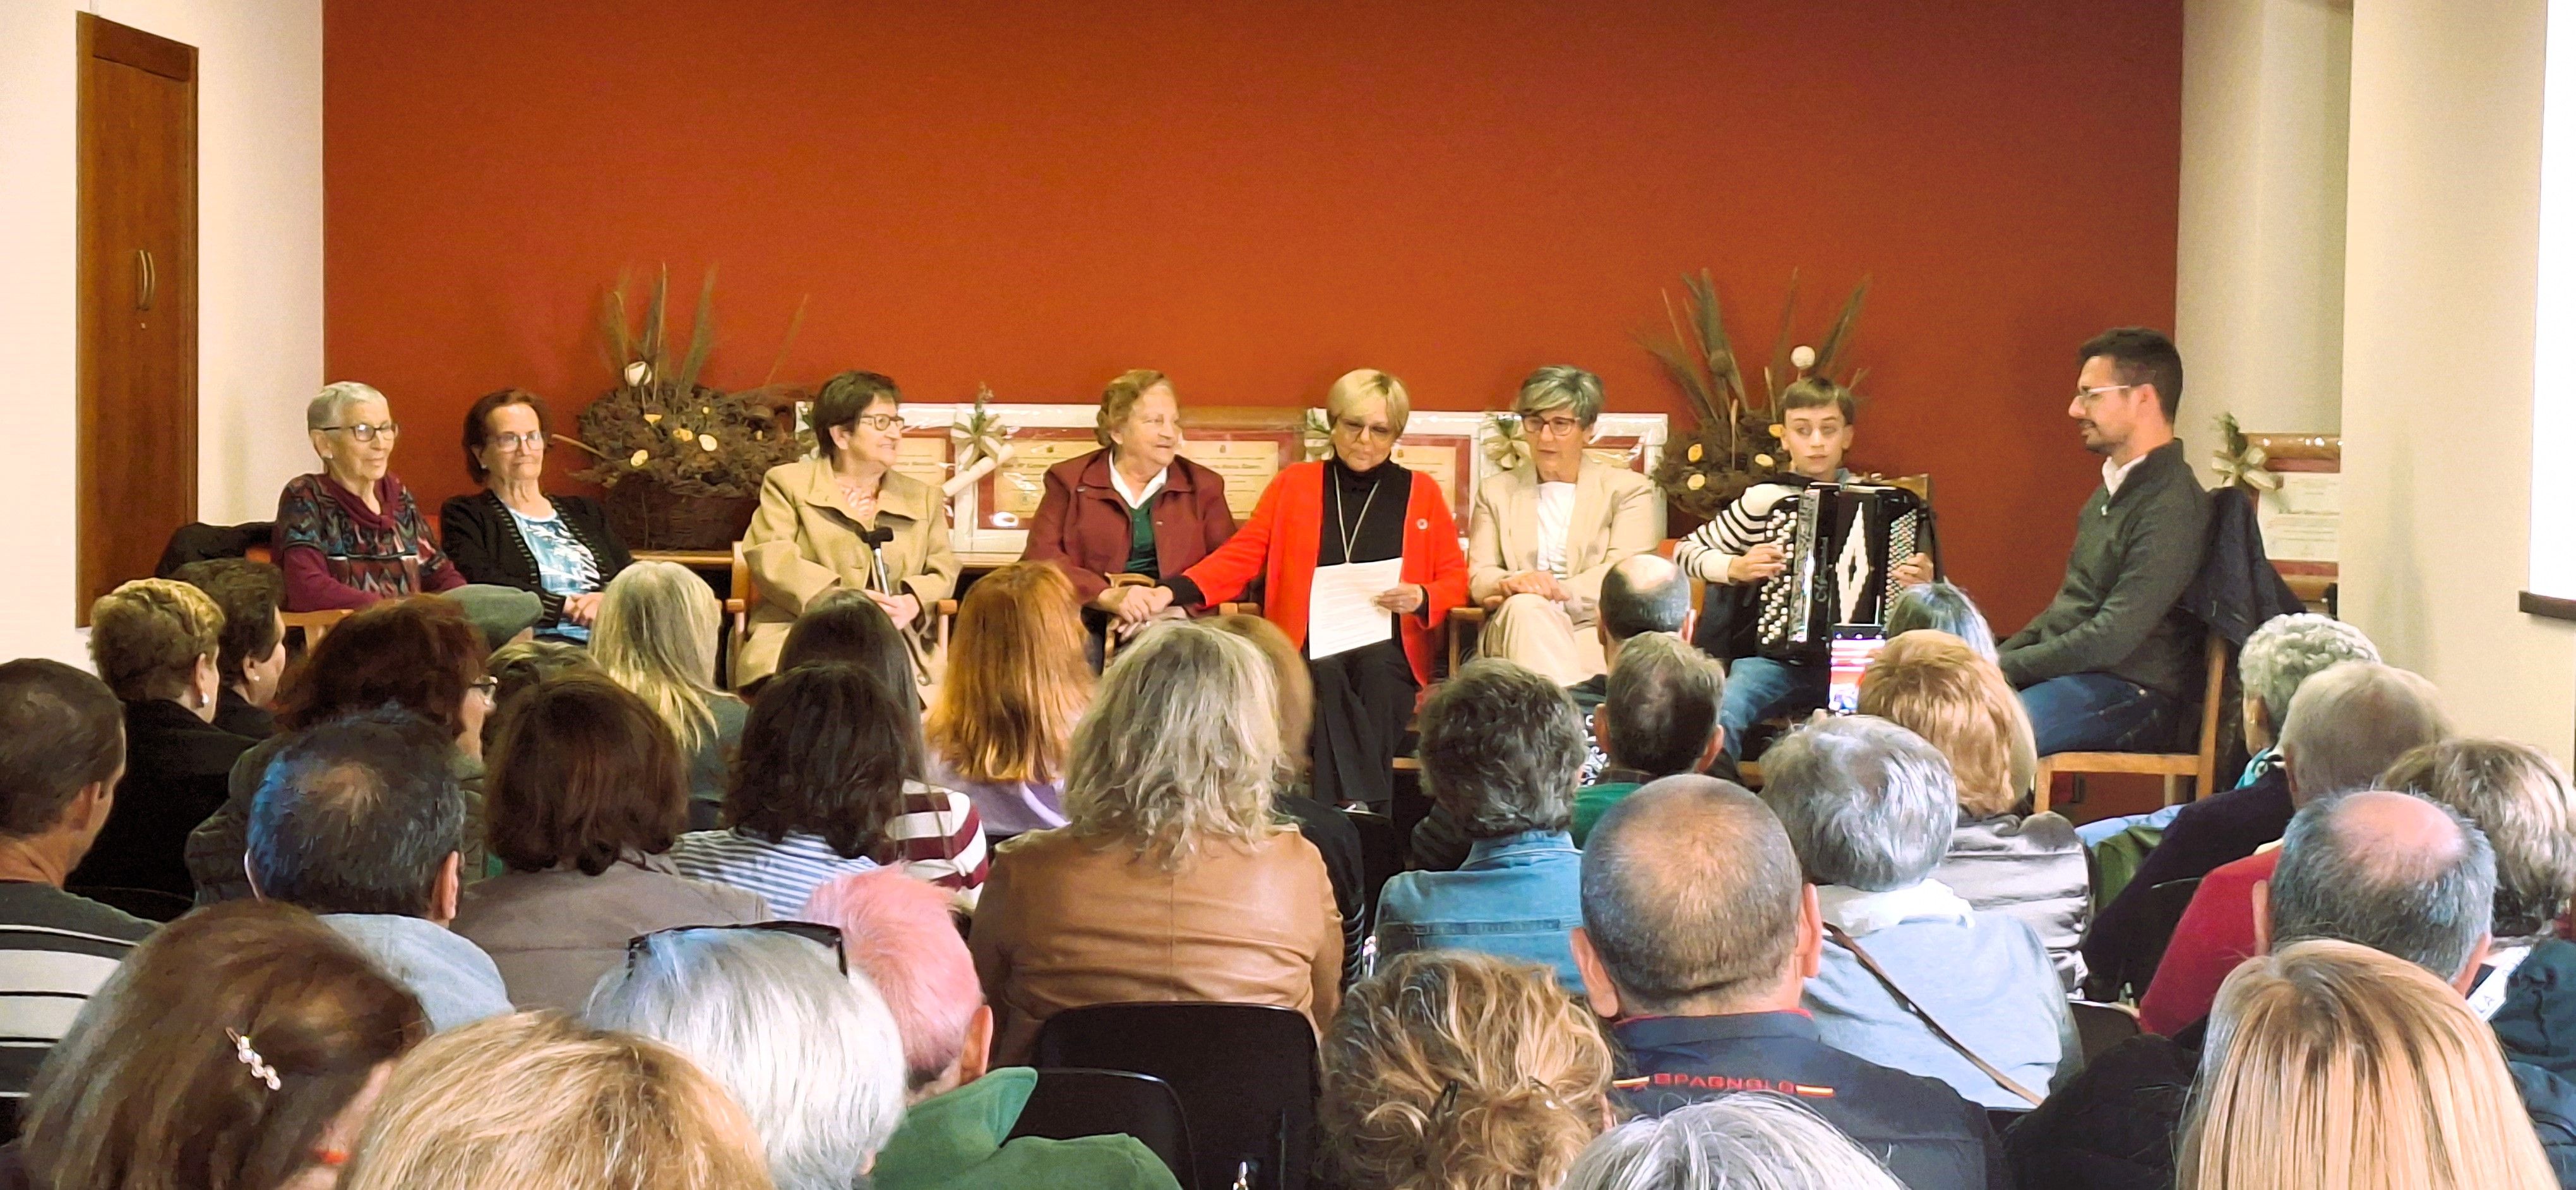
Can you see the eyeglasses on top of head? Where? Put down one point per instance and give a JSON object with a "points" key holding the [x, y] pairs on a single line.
{"points": [[814, 932]]}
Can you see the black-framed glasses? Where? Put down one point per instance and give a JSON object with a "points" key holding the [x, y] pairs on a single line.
{"points": [[814, 932], [364, 432]]}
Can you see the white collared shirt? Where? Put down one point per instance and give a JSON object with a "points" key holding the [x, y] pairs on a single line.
{"points": [[2114, 473], [1118, 480]]}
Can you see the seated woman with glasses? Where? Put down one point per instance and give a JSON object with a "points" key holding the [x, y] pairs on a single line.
{"points": [[350, 534], [513, 534], [1543, 535], [819, 517]]}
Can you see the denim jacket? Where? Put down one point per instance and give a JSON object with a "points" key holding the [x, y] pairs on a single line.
{"points": [[1518, 896]]}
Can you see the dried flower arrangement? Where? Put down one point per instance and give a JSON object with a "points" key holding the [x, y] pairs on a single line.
{"points": [[1733, 446]]}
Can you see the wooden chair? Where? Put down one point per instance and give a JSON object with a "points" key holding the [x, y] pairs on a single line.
{"points": [[2201, 766], [314, 625], [744, 595], [1109, 643]]}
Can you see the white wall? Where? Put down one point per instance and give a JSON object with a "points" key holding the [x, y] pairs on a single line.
{"points": [[2442, 235], [259, 235]]}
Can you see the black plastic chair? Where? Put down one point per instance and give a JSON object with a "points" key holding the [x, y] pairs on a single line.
{"points": [[2098, 1027], [1246, 1074], [150, 904], [1069, 1104], [1381, 854], [2164, 909]]}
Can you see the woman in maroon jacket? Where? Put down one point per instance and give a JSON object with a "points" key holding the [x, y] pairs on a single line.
{"points": [[1134, 507]]}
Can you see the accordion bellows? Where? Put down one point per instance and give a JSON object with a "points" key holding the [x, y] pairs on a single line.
{"points": [[1842, 542]]}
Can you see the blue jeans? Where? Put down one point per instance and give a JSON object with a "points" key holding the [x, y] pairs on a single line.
{"points": [[1759, 688], [2093, 712]]}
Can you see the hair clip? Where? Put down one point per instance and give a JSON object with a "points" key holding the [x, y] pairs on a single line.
{"points": [[259, 1068]]}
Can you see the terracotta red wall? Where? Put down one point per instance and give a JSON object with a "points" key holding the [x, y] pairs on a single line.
{"points": [[1256, 197]]}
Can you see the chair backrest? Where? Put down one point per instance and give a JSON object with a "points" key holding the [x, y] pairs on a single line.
{"points": [[2159, 914], [2098, 1027], [1071, 1103], [1247, 1076]]}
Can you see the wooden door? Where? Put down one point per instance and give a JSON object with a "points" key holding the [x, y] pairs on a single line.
{"points": [[138, 301]]}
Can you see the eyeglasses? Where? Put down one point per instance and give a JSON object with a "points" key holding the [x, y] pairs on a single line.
{"points": [[1552, 427], [2087, 396], [814, 932], [363, 432], [1361, 429], [532, 440], [489, 688], [882, 422]]}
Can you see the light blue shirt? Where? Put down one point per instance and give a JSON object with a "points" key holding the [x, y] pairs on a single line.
{"points": [[564, 565], [1518, 896]]}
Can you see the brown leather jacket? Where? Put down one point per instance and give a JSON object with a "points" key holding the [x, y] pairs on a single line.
{"points": [[1067, 922]]}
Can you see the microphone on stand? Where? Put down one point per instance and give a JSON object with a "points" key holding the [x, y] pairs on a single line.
{"points": [[877, 539]]}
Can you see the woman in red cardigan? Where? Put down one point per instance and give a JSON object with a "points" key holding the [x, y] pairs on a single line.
{"points": [[1354, 508]]}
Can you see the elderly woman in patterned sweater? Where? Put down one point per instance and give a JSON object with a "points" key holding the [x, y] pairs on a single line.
{"points": [[350, 534]]}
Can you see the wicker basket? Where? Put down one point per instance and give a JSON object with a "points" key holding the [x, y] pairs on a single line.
{"points": [[648, 516]]}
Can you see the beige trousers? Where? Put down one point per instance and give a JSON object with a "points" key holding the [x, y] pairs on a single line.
{"points": [[1536, 631]]}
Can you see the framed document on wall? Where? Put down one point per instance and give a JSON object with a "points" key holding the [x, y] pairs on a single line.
{"points": [[2301, 519]]}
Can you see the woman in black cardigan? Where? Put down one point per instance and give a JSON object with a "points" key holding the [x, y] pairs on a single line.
{"points": [[512, 534]]}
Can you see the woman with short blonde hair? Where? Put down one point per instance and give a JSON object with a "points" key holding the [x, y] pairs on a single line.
{"points": [[156, 643], [1171, 880], [1453, 1070], [1015, 686], [655, 634], [2030, 867], [2332, 1066], [533, 1099]]}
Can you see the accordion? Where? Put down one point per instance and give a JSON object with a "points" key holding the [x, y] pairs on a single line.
{"points": [[1842, 543]]}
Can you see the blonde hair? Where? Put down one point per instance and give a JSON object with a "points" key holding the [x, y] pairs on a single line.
{"points": [[1358, 386], [656, 635], [147, 636], [1016, 680], [1938, 686], [2331, 1065], [533, 1099], [1118, 401], [1453, 1070], [2518, 796], [1296, 683], [1180, 749]]}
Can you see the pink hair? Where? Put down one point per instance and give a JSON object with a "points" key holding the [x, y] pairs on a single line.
{"points": [[898, 930]]}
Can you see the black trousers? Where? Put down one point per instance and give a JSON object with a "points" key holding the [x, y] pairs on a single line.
{"points": [[1363, 700]]}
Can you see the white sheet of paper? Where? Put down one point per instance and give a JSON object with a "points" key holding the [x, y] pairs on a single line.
{"points": [[1342, 612]]}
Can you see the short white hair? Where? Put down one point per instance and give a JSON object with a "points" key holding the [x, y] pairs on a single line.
{"points": [[1744, 1141], [2288, 650], [812, 1056], [332, 403], [2352, 721]]}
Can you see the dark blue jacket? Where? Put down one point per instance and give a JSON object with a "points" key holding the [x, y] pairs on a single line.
{"points": [[1928, 1136], [2538, 1020]]}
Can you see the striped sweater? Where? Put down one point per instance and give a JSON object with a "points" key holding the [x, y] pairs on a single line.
{"points": [[55, 950], [938, 838], [1733, 532]]}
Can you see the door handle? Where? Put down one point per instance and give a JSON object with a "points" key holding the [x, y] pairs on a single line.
{"points": [[147, 279]]}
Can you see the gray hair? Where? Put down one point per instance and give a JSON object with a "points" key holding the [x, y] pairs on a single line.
{"points": [[1560, 386], [2425, 897], [812, 1056], [1676, 931], [1501, 749], [2351, 721], [331, 405], [1942, 608], [1181, 745], [2288, 650], [1746, 1141], [1643, 593], [1662, 701], [358, 815], [1868, 804]]}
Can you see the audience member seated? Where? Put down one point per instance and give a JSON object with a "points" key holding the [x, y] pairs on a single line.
{"points": [[349, 534], [1499, 752], [1660, 720], [1005, 711], [2394, 872], [1701, 965], [655, 633], [2346, 726], [62, 748], [1134, 506], [513, 534], [1869, 808], [533, 1099], [421, 655], [2344, 754], [810, 536], [2027, 867], [1293, 799], [2338, 1067], [956, 1134], [829, 784], [154, 641], [806, 1047], [360, 820], [251, 650], [1755, 1139], [1171, 881], [1544, 535], [1455, 1071], [242, 1045], [1940, 607], [848, 627], [521, 666], [585, 799]]}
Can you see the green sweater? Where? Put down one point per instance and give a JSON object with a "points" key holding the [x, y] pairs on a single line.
{"points": [[2134, 555], [957, 1140]]}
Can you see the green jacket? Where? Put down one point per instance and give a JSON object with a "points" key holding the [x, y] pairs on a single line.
{"points": [[957, 1140], [2118, 611]]}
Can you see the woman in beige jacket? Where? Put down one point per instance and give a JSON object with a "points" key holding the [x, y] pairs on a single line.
{"points": [[810, 535]]}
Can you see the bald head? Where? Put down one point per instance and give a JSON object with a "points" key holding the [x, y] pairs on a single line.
{"points": [[1690, 895], [2398, 873], [2349, 722], [1643, 593]]}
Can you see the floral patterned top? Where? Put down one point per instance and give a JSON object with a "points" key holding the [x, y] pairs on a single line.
{"points": [[337, 552]]}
